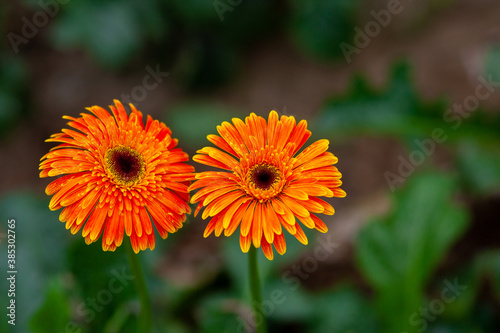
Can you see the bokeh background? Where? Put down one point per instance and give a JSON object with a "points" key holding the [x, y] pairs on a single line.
{"points": [[411, 107]]}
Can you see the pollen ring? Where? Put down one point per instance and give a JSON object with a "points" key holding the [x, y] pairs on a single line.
{"points": [[263, 181], [125, 165]]}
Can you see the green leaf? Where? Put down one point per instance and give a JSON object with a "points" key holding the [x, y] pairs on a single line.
{"points": [[12, 90], [53, 315], [469, 310], [395, 111], [318, 27], [213, 35], [231, 23], [195, 13], [205, 63], [283, 300], [103, 282], [220, 313], [111, 32], [444, 327], [342, 311], [41, 244], [399, 111], [492, 62], [479, 166], [398, 253], [488, 263]]}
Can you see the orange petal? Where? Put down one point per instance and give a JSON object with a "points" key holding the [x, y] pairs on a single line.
{"points": [[111, 228], [258, 220], [280, 244], [136, 221], [219, 193], [221, 143], [210, 161], [325, 159], [219, 204], [127, 221], [236, 219], [210, 227], [312, 206], [289, 227], [219, 227], [232, 137], [294, 206], [267, 213], [307, 221], [246, 222], [232, 210], [296, 193], [271, 127], [59, 183], [286, 130], [245, 242], [327, 208], [272, 219], [267, 249], [94, 225], [300, 135], [339, 193], [220, 156], [243, 131], [314, 150], [319, 224], [300, 235], [277, 207]]}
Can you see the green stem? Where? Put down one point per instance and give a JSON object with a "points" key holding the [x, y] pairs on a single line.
{"points": [[145, 324], [253, 271]]}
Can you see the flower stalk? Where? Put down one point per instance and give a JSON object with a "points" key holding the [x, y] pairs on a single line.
{"points": [[145, 317], [255, 290]]}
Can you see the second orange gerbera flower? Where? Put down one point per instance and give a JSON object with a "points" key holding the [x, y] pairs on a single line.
{"points": [[265, 187]]}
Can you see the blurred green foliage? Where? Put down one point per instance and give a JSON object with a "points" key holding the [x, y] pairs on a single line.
{"points": [[491, 64], [396, 111], [53, 315], [115, 34], [194, 121], [13, 79], [318, 27], [479, 165], [202, 41], [399, 111], [399, 253], [399, 256], [41, 244]]}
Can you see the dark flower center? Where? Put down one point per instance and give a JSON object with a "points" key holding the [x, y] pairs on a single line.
{"points": [[125, 164], [264, 176]]}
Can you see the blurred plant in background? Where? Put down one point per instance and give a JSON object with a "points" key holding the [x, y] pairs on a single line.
{"points": [[427, 264]]}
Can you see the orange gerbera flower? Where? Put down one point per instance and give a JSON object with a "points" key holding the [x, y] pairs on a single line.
{"points": [[265, 187], [120, 175]]}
